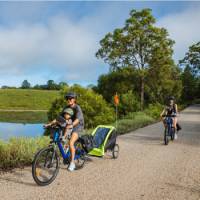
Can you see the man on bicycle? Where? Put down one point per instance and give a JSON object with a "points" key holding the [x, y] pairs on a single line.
{"points": [[171, 109], [77, 124]]}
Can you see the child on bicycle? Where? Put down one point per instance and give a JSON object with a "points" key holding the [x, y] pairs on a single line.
{"points": [[67, 123]]}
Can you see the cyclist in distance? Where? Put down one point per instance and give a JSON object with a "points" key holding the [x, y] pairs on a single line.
{"points": [[77, 124], [171, 109]]}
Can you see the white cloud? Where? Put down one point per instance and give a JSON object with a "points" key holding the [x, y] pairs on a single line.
{"points": [[60, 44], [184, 28]]}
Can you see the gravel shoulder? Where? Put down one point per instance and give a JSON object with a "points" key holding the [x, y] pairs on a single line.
{"points": [[146, 169]]}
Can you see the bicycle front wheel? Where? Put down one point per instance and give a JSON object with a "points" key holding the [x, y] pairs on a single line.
{"points": [[45, 166], [166, 140]]}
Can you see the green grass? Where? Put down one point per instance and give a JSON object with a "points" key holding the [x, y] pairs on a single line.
{"points": [[23, 117], [23, 99], [19, 152], [133, 122]]}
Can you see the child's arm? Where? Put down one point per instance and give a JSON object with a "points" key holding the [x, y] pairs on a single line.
{"points": [[51, 123], [163, 112]]}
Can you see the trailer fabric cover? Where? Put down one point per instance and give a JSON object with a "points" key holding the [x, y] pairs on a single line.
{"points": [[100, 136]]}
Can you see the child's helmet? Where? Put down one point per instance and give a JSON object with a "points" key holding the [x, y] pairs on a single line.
{"points": [[68, 111]]}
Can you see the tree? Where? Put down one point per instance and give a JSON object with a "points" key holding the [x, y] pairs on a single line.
{"points": [[119, 81], [134, 45], [51, 85], [62, 85], [25, 85], [192, 58], [163, 77], [191, 74], [189, 84]]}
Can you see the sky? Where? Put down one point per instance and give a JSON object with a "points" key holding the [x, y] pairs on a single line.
{"points": [[40, 41]]}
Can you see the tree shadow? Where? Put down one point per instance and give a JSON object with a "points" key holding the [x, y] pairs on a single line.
{"points": [[144, 139], [182, 187], [16, 175]]}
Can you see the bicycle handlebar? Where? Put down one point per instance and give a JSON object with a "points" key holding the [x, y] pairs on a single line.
{"points": [[169, 115]]}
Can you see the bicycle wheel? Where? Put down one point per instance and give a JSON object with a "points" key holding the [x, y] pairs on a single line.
{"points": [[45, 166], [79, 156], [172, 133], [166, 140], [115, 151]]}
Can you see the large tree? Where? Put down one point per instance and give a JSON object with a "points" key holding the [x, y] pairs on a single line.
{"points": [[192, 58], [191, 74], [119, 81], [134, 45]]}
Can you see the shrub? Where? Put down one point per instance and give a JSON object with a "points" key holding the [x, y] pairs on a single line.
{"points": [[95, 109], [137, 120], [154, 110], [18, 152], [128, 103]]}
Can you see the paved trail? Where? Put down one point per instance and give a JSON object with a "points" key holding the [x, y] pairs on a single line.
{"points": [[146, 169]]}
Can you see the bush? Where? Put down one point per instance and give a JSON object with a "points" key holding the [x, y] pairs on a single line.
{"points": [[136, 120], [128, 103], [95, 109], [154, 110], [18, 152]]}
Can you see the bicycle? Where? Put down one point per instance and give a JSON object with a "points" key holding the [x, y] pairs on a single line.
{"points": [[169, 129], [45, 166]]}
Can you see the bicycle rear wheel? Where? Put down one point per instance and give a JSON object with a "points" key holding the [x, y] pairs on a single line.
{"points": [[79, 155], [45, 166]]}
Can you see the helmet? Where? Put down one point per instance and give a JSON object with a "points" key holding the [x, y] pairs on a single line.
{"points": [[68, 111], [171, 98], [70, 95]]}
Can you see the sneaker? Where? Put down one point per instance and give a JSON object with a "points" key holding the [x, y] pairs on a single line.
{"points": [[175, 136], [71, 167]]}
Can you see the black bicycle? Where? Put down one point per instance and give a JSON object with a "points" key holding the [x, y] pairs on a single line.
{"points": [[169, 129]]}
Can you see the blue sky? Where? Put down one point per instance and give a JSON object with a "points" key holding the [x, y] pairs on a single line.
{"points": [[58, 40]]}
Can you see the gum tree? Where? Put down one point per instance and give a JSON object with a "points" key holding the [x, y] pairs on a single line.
{"points": [[135, 44]]}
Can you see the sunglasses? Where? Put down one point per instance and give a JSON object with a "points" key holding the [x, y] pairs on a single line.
{"points": [[69, 99]]}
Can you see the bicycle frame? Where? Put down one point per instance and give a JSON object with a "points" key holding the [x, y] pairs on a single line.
{"points": [[66, 156], [169, 123]]}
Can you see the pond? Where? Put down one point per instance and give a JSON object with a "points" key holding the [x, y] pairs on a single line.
{"points": [[8, 130]]}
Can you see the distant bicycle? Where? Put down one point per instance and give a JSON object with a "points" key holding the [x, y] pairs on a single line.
{"points": [[169, 129], [45, 166]]}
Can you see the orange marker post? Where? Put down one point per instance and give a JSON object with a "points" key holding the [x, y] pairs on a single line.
{"points": [[116, 102]]}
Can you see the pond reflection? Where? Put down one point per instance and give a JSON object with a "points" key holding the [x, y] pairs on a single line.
{"points": [[8, 130]]}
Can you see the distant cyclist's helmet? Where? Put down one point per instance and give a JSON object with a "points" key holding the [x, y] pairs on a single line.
{"points": [[70, 95], [171, 98], [68, 111]]}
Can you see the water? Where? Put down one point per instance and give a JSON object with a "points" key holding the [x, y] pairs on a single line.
{"points": [[8, 130]]}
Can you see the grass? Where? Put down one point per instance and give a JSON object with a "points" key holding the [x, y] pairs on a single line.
{"points": [[23, 117], [133, 122], [23, 99], [19, 152]]}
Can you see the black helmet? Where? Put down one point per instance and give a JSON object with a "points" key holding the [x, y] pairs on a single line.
{"points": [[70, 95], [171, 98]]}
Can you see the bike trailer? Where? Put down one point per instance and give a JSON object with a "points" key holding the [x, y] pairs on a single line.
{"points": [[103, 138]]}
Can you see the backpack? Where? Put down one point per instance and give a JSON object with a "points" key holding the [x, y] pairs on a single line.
{"points": [[88, 142]]}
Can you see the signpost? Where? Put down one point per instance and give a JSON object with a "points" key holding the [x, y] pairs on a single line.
{"points": [[116, 102]]}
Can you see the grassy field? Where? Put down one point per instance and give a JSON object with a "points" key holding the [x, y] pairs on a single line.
{"points": [[22, 99], [23, 117]]}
